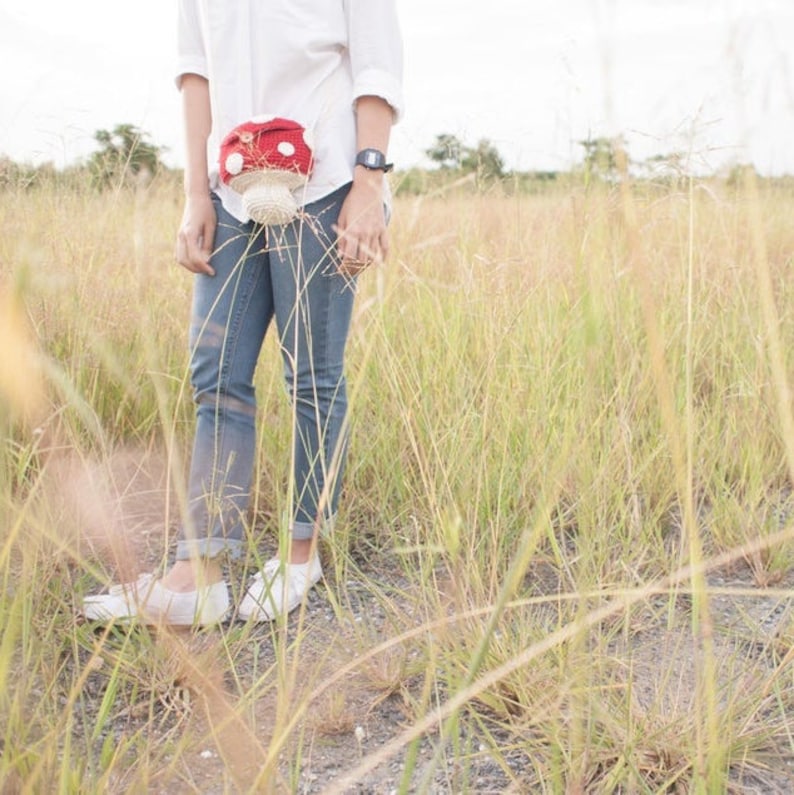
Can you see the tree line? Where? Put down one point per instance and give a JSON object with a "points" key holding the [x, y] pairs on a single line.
{"points": [[125, 155]]}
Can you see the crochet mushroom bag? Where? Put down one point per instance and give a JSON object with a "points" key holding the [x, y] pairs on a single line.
{"points": [[265, 159]]}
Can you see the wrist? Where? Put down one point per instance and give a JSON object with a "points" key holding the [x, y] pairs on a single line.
{"points": [[365, 177], [197, 194], [196, 183]]}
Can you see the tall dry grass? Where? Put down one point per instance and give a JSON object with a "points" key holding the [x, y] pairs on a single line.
{"points": [[568, 491]]}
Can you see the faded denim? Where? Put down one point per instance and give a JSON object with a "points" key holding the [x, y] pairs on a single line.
{"points": [[287, 273]]}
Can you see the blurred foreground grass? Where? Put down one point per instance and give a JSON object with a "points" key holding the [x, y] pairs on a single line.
{"points": [[569, 489]]}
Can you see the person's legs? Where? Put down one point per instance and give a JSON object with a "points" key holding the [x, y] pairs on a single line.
{"points": [[296, 277], [313, 307], [230, 315]]}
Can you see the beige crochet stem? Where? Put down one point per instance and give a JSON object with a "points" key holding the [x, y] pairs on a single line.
{"points": [[267, 195]]}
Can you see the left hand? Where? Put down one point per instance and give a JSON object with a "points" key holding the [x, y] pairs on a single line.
{"points": [[363, 236]]}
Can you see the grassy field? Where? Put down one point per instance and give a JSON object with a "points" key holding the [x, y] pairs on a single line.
{"points": [[569, 497]]}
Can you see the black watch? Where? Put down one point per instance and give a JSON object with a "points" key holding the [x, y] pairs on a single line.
{"points": [[374, 160]]}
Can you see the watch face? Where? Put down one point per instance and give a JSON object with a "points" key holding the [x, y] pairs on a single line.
{"points": [[371, 158]]}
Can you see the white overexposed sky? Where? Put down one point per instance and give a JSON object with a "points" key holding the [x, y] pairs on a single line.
{"points": [[710, 77]]}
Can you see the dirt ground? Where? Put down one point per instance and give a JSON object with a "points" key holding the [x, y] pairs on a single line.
{"points": [[362, 713]]}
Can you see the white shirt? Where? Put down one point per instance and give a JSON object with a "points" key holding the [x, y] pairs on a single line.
{"points": [[306, 60]]}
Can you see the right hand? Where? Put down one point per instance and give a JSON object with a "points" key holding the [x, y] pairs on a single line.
{"points": [[196, 234]]}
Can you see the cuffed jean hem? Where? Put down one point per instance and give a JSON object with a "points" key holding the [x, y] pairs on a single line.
{"points": [[188, 549], [304, 531]]}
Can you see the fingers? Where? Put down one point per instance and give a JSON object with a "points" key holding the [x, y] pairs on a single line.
{"points": [[355, 255], [358, 250], [193, 258], [361, 230], [353, 248], [194, 242], [192, 254]]}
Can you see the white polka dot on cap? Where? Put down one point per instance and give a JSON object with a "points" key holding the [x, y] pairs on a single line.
{"points": [[286, 148], [234, 163]]}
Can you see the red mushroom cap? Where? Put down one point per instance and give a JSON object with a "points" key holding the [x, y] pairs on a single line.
{"points": [[265, 144]]}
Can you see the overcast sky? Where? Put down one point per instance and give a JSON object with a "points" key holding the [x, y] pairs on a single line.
{"points": [[713, 77]]}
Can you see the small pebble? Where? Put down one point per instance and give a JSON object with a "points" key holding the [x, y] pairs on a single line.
{"points": [[207, 754]]}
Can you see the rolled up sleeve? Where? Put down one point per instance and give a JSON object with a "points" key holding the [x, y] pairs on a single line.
{"points": [[376, 51], [191, 57]]}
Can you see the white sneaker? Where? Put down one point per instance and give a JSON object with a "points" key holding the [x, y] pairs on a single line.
{"points": [[148, 600], [278, 589]]}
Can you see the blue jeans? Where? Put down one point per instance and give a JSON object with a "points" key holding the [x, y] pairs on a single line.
{"points": [[288, 273]]}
